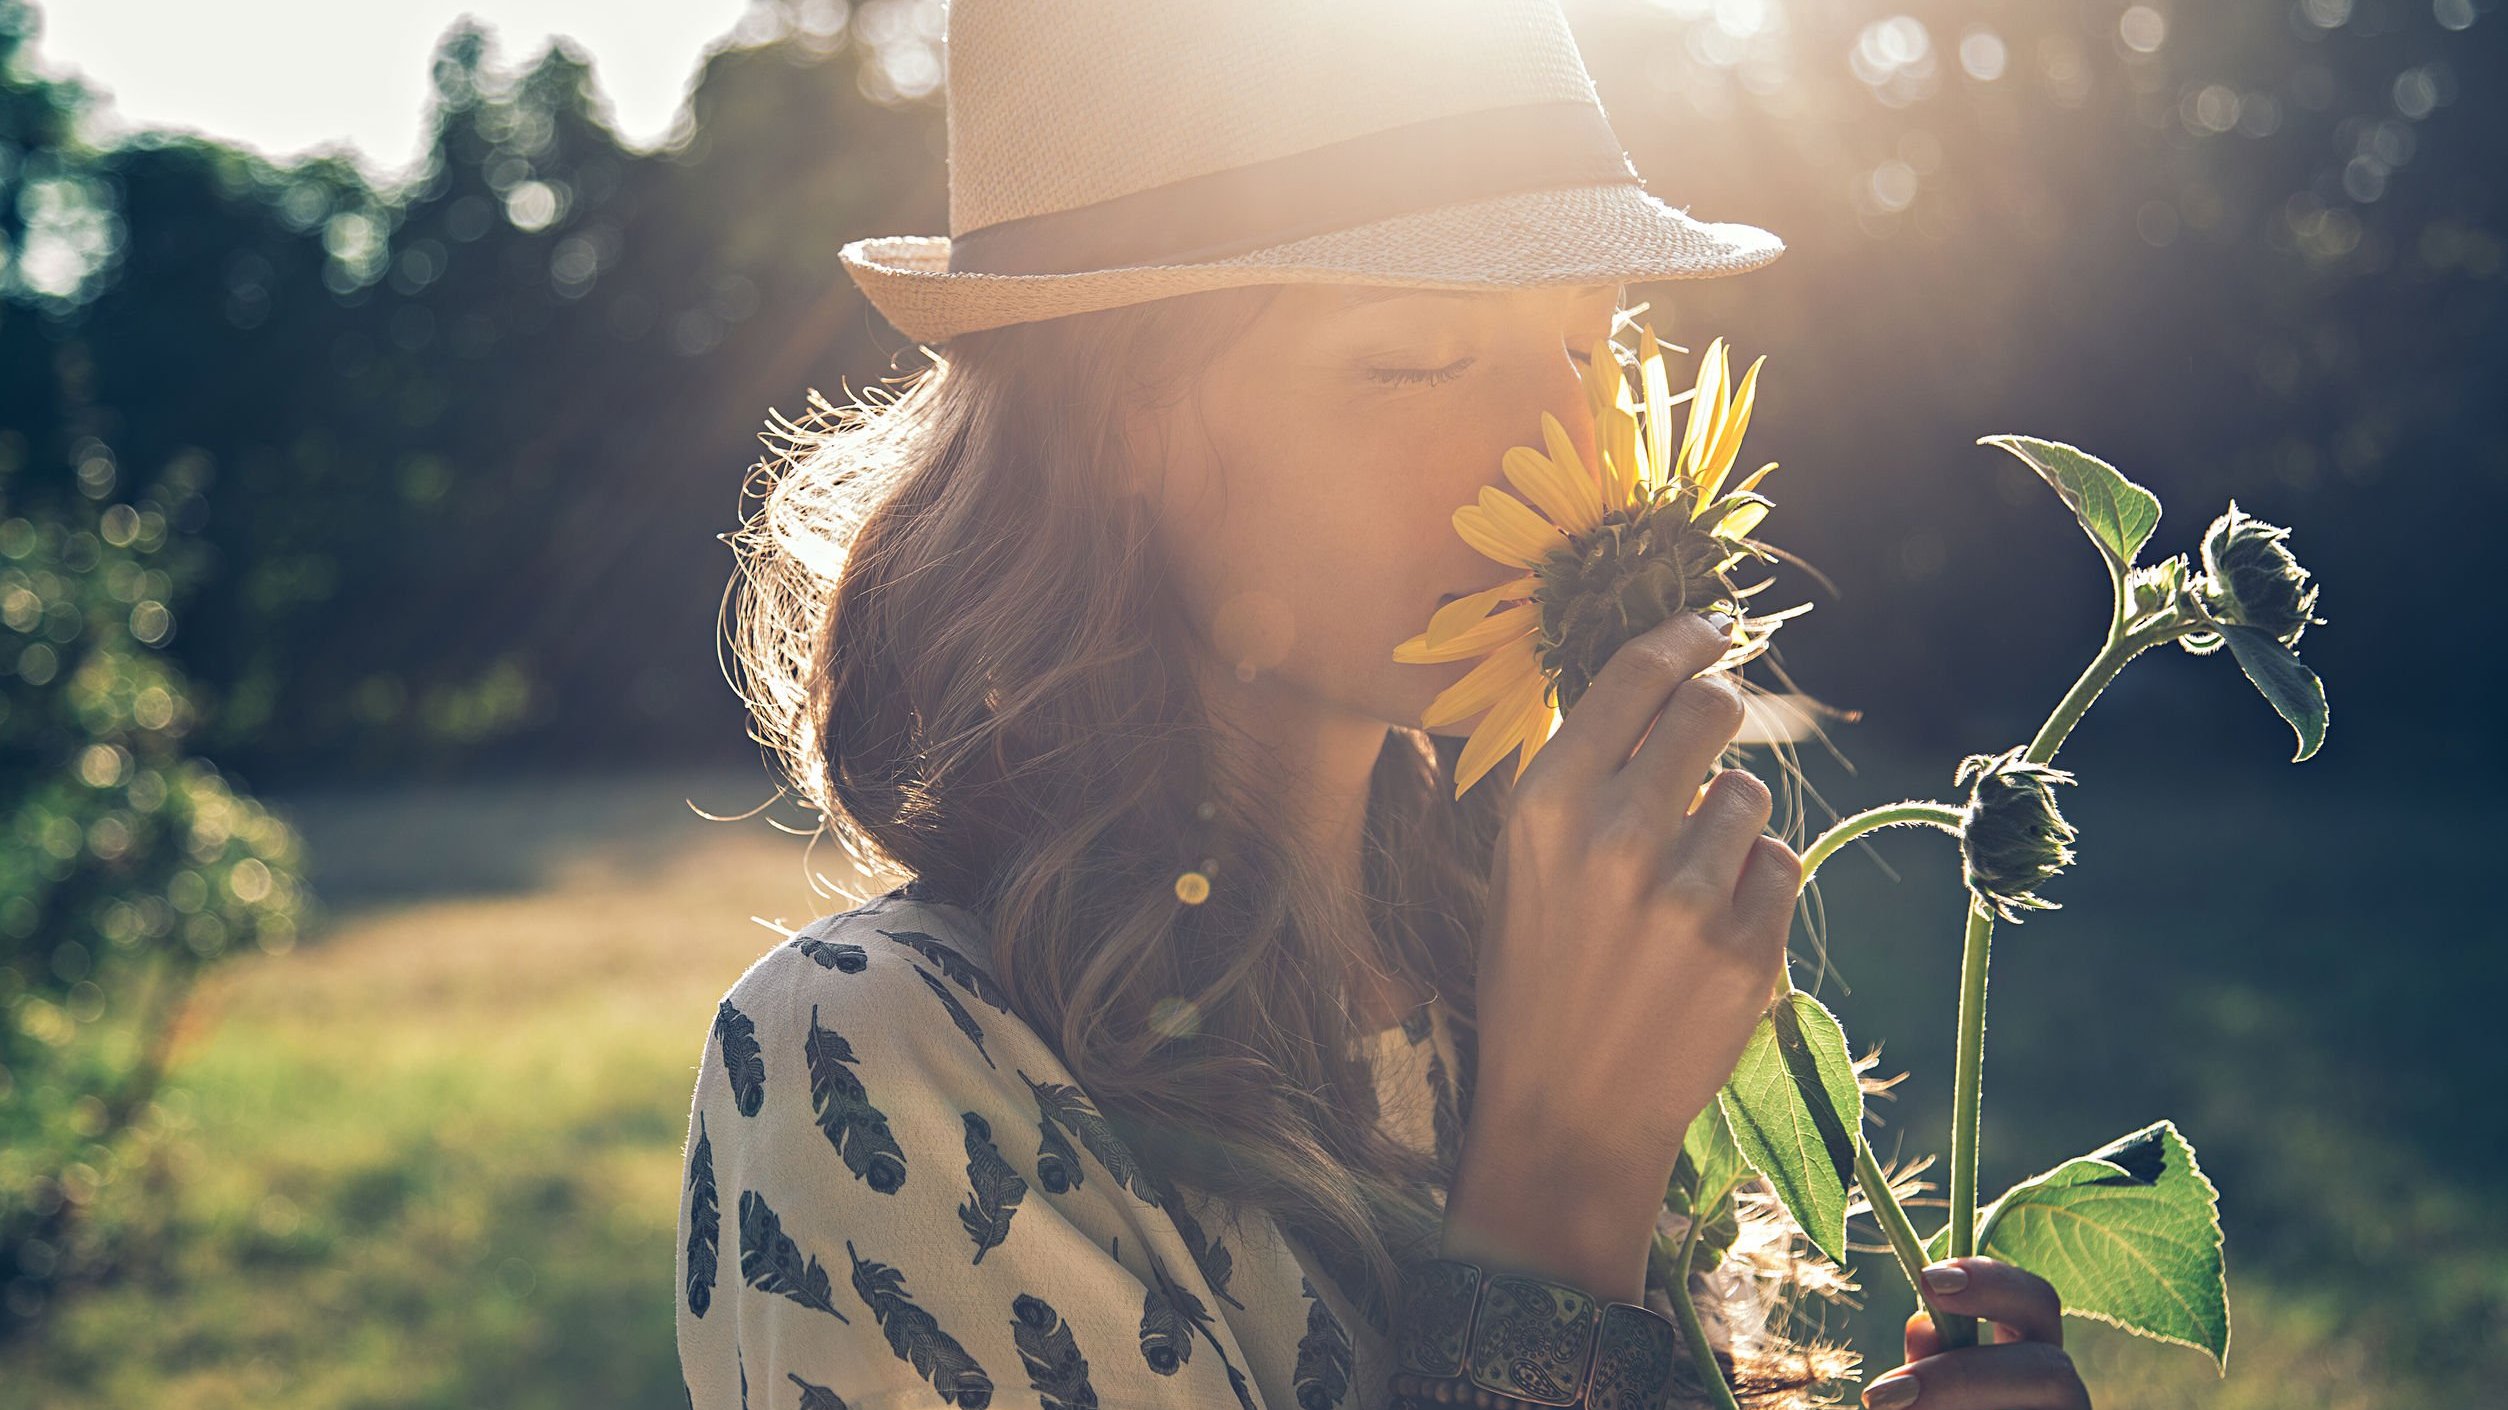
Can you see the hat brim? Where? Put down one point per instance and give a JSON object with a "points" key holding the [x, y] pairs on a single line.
{"points": [[1617, 233]]}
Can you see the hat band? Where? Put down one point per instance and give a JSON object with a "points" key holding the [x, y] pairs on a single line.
{"points": [[1459, 157]]}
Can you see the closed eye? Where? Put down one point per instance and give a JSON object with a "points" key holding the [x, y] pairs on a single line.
{"points": [[1431, 376]]}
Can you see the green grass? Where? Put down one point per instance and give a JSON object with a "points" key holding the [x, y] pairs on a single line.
{"points": [[430, 1156]]}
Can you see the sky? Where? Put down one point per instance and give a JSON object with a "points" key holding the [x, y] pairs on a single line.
{"points": [[293, 76]]}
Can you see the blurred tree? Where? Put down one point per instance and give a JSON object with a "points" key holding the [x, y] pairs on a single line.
{"points": [[126, 862]]}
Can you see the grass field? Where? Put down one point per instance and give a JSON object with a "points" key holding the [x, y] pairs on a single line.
{"points": [[430, 1157]]}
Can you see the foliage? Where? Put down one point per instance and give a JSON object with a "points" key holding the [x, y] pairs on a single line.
{"points": [[126, 863]]}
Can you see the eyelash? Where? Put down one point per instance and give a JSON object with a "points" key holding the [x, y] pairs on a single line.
{"points": [[1431, 376]]}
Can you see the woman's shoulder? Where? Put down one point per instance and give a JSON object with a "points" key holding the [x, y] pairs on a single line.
{"points": [[903, 975]]}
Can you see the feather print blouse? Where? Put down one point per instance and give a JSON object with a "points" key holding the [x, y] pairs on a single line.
{"points": [[894, 1195]]}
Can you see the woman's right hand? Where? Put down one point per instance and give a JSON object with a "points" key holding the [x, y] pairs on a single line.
{"points": [[1632, 946]]}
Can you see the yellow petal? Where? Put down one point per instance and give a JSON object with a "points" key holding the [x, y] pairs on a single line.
{"points": [[1729, 433], [1500, 731], [1658, 403], [1491, 631], [1756, 476], [1506, 539], [1704, 401], [1516, 522], [1563, 451], [1600, 372], [1483, 685], [1540, 722], [1571, 501], [1622, 468], [1743, 520], [1450, 620]]}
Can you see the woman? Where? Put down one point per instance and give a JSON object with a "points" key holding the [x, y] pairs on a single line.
{"points": [[1210, 1016]]}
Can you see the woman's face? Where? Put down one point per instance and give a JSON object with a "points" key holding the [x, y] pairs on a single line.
{"points": [[1311, 478]]}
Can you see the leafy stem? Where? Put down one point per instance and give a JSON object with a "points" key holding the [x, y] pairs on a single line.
{"points": [[1968, 1076]]}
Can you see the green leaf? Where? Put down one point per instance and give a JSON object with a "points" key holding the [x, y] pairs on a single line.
{"points": [[2118, 513], [1711, 1164], [2292, 688], [1794, 1104], [2129, 1234]]}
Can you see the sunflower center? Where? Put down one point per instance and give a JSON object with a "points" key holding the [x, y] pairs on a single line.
{"points": [[1637, 567]]}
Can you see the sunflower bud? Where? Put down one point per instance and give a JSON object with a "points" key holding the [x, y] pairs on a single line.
{"points": [[2014, 838], [2249, 579]]}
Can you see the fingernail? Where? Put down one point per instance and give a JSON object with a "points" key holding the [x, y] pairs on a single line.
{"points": [[1891, 1393], [1722, 622], [1945, 1277]]}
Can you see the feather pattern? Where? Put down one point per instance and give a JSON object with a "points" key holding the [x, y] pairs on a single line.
{"points": [[958, 967], [1209, 1254], [705, 1223], [742, 1062], [816, 1397], [1166, 1340], [1325, 1358], [996, 1188], [1057, 1164], [916, 1338], [858, 1130], [957, 1013], [771, 1262], [1056, 1369], [1064, 1106], [1348, 1274], [834, 954]]}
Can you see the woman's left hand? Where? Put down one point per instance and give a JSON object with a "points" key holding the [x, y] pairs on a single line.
{"points": [[2023, 1368]]}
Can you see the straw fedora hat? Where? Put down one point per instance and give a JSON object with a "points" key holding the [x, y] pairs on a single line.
{"points": [[1110, 152]]}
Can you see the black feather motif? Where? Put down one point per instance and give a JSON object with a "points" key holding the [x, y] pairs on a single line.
{"points": [[857, 1129], [1325, 1360], [1348, 1274], [1166, 1342], [1170, 1314], [1209, 1254], [916, 1338], [742, 1061], [1236, 1382], [705, 1223], [816, 1397], [834, 954], [959, 968], [1057, 1164], [1064, 1106], [742, 1361], [957, 1013], [1057, 1370], [996, 1188], [771, 1262]]}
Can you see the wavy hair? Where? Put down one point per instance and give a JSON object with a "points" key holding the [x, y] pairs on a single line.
{"points": [[958, 646]]}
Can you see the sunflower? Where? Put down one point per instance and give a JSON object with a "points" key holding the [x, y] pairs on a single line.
{"points": [[1607, 551]]}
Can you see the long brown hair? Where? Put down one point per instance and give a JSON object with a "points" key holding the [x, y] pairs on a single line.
{"points": [[958, 645]]}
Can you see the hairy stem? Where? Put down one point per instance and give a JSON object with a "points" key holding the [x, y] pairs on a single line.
{"points": [[1692, 1332], [1893, 1220], [1941, 815]]}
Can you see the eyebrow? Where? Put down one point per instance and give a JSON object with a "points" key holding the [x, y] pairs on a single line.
{"points": [[1361, 295]]}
